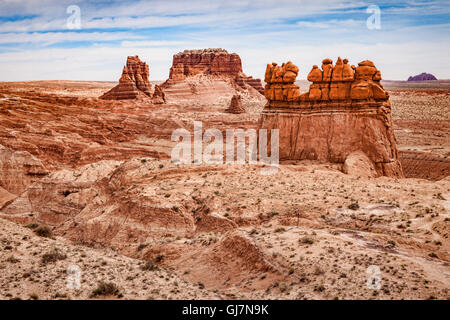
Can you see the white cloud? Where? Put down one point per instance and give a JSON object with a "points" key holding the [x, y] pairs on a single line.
{"points": [[396, 61], [48, 38]]}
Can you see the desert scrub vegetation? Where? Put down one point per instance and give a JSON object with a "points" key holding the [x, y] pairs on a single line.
{"points": [[149, 266], [106, 289], [42, 231], [306, 240], [52, 256]]}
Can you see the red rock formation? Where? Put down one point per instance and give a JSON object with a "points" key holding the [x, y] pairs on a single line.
{"points": [[242, 80], [346, 110], [193, 66], [236, 105], [207, 61], [158, 95], [133, 83]]}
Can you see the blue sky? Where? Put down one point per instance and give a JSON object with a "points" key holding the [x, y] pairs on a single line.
{"points": [[36, 43]]}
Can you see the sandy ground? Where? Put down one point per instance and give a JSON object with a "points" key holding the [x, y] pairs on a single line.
{"points": [[307, 232]]}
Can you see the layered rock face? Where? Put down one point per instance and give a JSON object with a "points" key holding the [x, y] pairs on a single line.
{"points": [[19, 169], [134, 83], [236, 105], [200, 72], [346, 110], [207, 61], [422, 77]]}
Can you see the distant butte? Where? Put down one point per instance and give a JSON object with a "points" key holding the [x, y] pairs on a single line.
{"points": [[422, 77]]}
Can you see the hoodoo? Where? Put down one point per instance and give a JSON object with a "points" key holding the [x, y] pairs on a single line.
{"points": [[346, 110], [134, 83], [235, 105]]}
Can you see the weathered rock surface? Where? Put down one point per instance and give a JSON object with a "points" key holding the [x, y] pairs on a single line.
{"points": [[216, 62], [195, 74], [5, 197], [345, 110], [18, 169], [179, 219], [422, 77], [236, 105], [424, 165]]}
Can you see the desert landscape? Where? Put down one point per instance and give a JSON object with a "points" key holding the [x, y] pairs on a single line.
{"points": [[87, 182]]}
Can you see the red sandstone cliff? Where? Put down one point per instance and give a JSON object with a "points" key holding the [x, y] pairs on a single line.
{"points": [[346, 110]]}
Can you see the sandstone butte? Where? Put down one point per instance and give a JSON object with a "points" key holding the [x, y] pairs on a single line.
{"points": [[191, 67], [345, 117], [422, 77], [134, 83]]}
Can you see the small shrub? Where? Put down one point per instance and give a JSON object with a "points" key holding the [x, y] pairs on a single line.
{"points": [[12, 259], [307, 240], [273, 214], [318, 271], [106, 289], [32, 225], [43, 231], [280, 229], [149, 266], [320, 288], [53, 256], [142, 246], [354, 206]]}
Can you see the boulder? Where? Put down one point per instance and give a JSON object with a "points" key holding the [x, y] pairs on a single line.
{"points": [[358, 164]]}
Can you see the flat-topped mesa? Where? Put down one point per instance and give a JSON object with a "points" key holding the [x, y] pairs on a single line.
{"points": [[345, 111], [216, 62], [133, 83], [211, 63]]}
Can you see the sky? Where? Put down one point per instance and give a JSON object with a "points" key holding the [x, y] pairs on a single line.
{"points": [[90, 40]]}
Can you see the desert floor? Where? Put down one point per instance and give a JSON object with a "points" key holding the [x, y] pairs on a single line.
{"points": [[88, 184]]}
